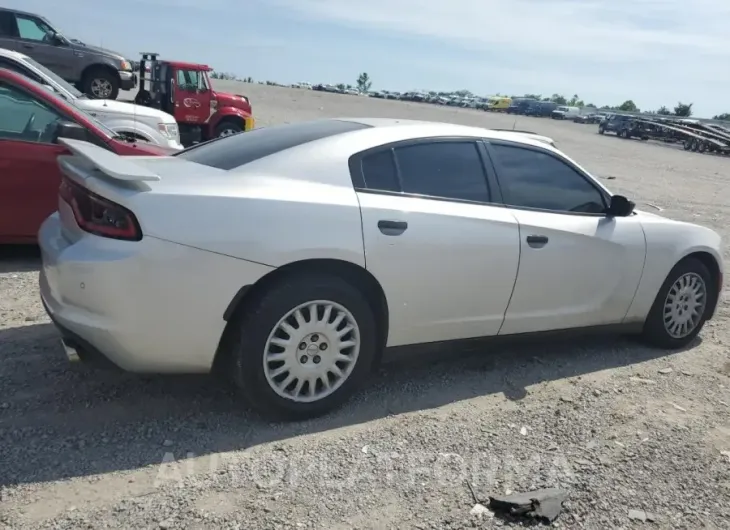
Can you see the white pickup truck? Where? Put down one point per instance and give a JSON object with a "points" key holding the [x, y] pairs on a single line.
{"points": [[125, 119]]}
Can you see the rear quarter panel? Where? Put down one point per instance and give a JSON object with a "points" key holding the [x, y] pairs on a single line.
{"points": [[667, 242], [256, 214]]}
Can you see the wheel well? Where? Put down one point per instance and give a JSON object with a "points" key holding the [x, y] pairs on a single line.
{"points": [[235, 119], [355, 275], [709, 261], [99, 66]]}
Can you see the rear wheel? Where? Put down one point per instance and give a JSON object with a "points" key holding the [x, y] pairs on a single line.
{"points": [[681, 307], [303, 347], [601, 130], [100, 83]]}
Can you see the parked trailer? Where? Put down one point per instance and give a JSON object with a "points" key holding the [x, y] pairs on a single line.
{"points": [[692, 139]]}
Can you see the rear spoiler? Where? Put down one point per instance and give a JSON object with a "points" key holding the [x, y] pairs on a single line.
{"points": [[109, 163]]}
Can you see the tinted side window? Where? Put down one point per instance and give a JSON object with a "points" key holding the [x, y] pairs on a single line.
{"points": [[532, 179], [452, 170], [380, 172]]}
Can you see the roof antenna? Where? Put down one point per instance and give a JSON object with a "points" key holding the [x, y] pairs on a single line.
{"points": [[514, 125]]}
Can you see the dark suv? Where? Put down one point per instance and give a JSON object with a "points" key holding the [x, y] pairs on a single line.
{"points": [[97, 72], [623, 126], [541, 108], [520, 105]]}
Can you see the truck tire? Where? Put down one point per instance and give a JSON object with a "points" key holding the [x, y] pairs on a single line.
{"points": [[228, 127], [100, 83]]}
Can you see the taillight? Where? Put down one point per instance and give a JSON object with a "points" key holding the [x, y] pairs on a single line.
{"points": [[99, 216]]}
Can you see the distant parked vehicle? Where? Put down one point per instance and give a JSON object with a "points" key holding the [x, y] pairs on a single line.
{"points": [[541, 109], [564, 112], [623, 126], [97, 72], [126, 119], [520, 105], [498, 103]]}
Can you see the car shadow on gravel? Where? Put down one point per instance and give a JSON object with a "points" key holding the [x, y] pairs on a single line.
{"points": [[60, 420], [19, 258]]}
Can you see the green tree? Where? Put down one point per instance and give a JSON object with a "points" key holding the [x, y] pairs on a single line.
{"points": [[664, 111], [684, 110], [557, 98], [341, 86], [724, 117], [628, 106], [363, 82]]}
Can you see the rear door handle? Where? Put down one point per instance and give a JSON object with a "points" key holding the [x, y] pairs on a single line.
{"points": [[392, 228], [537, 241]]}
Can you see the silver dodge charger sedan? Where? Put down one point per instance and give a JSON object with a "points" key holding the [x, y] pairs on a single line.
{"points": [[290, 258]]}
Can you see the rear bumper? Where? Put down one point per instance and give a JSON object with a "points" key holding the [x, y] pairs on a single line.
{"points": [[147, 306]]}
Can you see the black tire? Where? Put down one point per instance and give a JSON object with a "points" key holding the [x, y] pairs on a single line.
{"points": [[248, 337], [701, 147], [98, 79], [601, 130], [695, 145], [687, 144], [655, 332], [228, 127]]}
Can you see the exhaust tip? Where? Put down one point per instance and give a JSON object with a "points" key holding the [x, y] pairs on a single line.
{"points": [[71, 352]]}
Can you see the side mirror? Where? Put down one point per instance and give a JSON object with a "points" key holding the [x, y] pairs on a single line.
{"points": [[68, 129], [620, 207], [57, 40]]}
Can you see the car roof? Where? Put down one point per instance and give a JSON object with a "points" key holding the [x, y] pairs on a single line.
{"points": [[422, 128]]}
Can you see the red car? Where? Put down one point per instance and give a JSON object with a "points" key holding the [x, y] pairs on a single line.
{"points": [[32, 118]]}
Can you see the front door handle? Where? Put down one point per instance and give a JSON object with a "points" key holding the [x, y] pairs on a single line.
{"points": [[537, 241], [392, 228]]}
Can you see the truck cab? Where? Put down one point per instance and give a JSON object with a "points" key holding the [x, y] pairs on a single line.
{"points": [[185, 91]]}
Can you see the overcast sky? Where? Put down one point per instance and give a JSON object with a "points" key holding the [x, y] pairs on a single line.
{"points": [[656, 52]]}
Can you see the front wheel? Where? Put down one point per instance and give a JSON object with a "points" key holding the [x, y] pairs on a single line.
{"points": [[304, 347], [681, 307], [228, 128]]}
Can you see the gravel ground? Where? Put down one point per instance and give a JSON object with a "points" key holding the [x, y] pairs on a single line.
{"points": [[619, 426]]}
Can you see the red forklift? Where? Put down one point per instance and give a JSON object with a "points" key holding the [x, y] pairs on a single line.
{"points": [[184, 91]]}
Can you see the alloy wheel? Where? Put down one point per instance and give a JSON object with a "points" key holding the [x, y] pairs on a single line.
{"points": [[101, 88]]}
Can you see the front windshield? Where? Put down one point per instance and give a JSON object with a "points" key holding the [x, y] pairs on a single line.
{"points": [[56, 78]]}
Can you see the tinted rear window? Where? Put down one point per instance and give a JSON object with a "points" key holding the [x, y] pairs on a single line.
{"points": [[235, 151]]}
